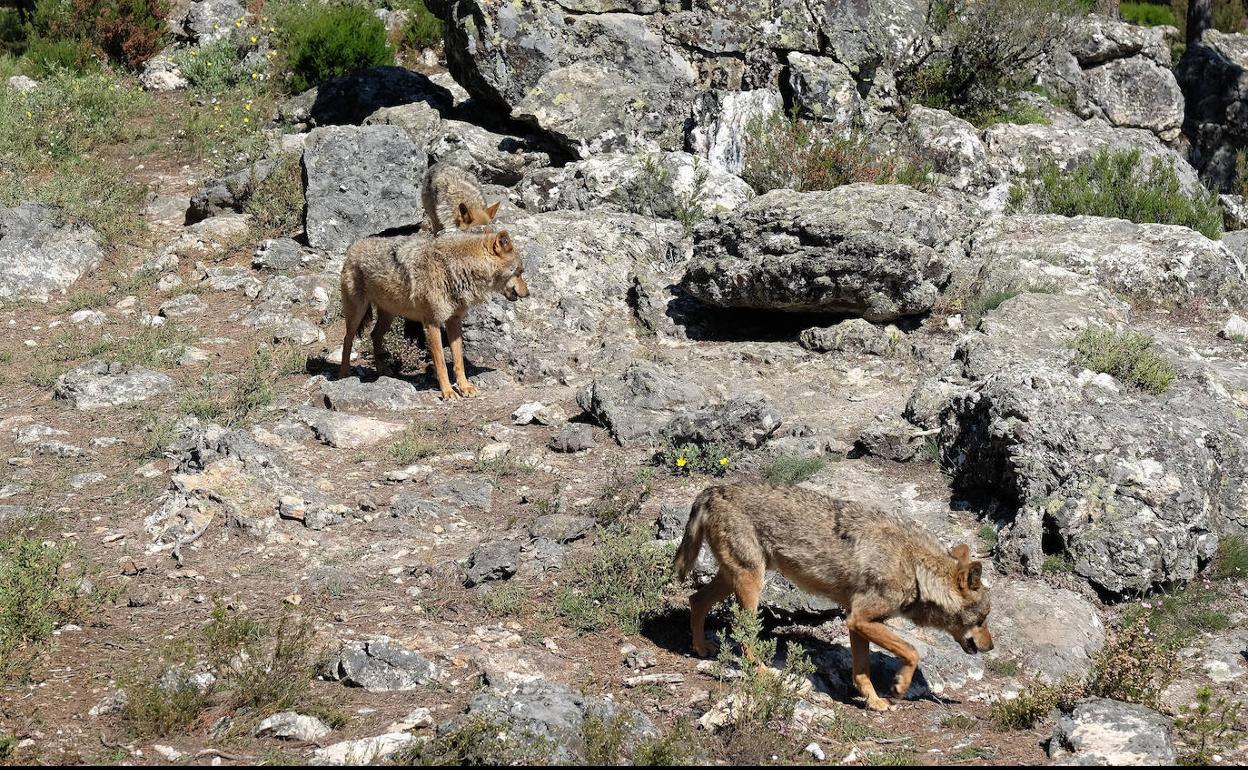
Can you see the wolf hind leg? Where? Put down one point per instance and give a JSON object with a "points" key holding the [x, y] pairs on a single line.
{"points": [[702, 602]]}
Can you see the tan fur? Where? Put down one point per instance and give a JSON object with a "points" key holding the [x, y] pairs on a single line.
{"points": [[875, 565], [453, 200], [431, 280]]}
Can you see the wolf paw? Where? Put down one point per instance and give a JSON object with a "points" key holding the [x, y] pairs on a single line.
{"points": [[450, 395], [468, 390], [705, 649], [880, 704]]}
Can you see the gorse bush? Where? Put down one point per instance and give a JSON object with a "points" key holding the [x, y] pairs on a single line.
{"points": [[791, 153], [322, 41], [128, 32], [1128, 357], [1115, 184], [974, 56]]}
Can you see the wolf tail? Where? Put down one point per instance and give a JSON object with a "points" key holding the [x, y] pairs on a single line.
{"points": [[691, 544]]}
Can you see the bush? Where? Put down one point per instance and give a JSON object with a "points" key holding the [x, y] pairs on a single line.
{"points": [[321, 42], [1115, 185], [1231, 562], [214, 68], [792, 470], [1173, 619], [422, 29], [45, 57], [1147, 14], [1128, 357], [975, 55], [1209, 728], [691, 459], [276, 202], [790, 153], [620, 584], [128, 32], [40, 589], [1132, 667], [1023, 712]]}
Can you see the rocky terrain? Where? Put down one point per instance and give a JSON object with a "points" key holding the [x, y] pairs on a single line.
{"points": [[247, 560]]}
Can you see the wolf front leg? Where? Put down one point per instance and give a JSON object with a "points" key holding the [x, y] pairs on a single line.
{"points": [[433, 338], [861, 633], [455, 331]]}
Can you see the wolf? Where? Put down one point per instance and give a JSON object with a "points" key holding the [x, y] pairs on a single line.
{"points": [[875, 565], [453, 199], [431, 280]]}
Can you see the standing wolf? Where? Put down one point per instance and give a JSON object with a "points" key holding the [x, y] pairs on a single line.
{"points": [[431, 280], [453, 199], [873, 564]]}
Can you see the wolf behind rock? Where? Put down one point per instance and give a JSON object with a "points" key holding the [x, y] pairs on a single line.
{"points": [[434, 281], [873, 564], [453, 200]]}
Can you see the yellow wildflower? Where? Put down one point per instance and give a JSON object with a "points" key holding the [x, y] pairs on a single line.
{"points": [[680, 462], [723, 461], [254, 38]]}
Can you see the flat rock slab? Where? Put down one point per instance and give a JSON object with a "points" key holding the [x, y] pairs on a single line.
{"points": [[363, 751], [98, 385], [1108, 732], [381, 665], [39, 255], [384, 393], [347, 431], [292, 726]]}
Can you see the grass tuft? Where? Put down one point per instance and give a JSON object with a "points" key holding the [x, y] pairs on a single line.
{"points": [[1128, 357]]}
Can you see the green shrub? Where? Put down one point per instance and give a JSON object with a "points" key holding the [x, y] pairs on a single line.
{"points": [[1173, 619], [276, 202], [791, 153], [422, 29], [1132, 666], [1231, 562], [620, 584], [1116, 185], [46, 57], [128, 32], [792, 470], [12, 33], [1128, 357], [214, 68], [975, 56], [1147, 14], [622, 496], [322, 41], [1208, 729], [37, 594], [691, 459], [1026, 710]]}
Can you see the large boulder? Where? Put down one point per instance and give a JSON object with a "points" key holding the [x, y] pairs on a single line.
{"points": [[360, 181], [1158, 264], [1119, 72], [1214, 77], [40, 255], [591, 81], [722, 121], [577, 322], [100, 385], [1127, 486], [206, 21], [878, 251], [1050, 633], [636, 406]]}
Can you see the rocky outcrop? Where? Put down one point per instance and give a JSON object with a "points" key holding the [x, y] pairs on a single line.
{"points": [[1119, 72], [1128, 486], [878, 251], [1214, 76], [100, 385], [40, 255], [1158, 264]]}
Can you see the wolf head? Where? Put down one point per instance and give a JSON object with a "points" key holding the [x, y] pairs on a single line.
{"points": [[468, 217], [969, 625], [510, 274]]}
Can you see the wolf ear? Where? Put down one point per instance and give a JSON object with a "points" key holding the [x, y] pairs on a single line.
{"points": [[502, 243], [974, 576], [493, 210], [463, 214], [961, 552]]}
